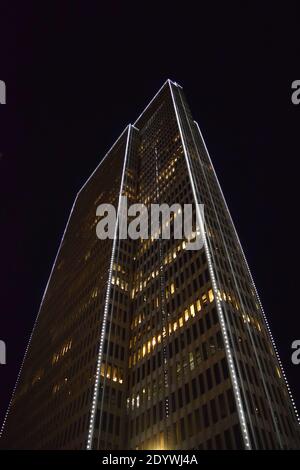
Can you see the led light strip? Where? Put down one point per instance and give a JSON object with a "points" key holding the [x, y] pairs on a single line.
{"points": [[105, 362], [215, 288], [100, 351], [237, 365], [253, 283], [242, 306], [36, 320]]}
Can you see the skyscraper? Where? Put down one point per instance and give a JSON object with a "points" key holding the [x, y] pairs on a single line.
{"points": [[143, 344]]}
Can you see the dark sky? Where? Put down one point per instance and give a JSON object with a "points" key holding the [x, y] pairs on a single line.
{"points": [[77, 75]]}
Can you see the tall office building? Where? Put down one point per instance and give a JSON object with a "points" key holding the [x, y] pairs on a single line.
{"points": [[143, 344]]}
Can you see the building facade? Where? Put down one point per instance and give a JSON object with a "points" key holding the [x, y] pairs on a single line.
{"points": [[143, 344]]}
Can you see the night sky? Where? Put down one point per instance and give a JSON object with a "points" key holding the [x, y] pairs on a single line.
{"points": [[77, 75]]}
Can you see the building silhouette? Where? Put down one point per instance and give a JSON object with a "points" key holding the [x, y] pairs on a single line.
{"points": [[143, 344]]}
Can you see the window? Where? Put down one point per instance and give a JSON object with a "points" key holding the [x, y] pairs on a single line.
{"points": [[217, 373], [201, 384], [214, 413], [182, 429], [192, 310], [194, 389], [228, 440], [205, 415], [224, 368], [230, 399], [209, 379], [187, 393], [180, 400], [238, 436], [222, 405], [173, 402]]}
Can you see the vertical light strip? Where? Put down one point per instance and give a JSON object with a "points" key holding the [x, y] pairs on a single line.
{"points": [[253, 283], [36, 320], [106, 306], [242, 306], [234, 349], [215, 289]]}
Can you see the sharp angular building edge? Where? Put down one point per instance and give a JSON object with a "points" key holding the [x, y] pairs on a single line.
{"points": [[142, 344]]}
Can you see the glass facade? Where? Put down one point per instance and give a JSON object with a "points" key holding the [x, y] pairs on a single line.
{"points": [[143, 344]]}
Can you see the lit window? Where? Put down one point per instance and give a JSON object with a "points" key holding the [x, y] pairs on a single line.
{"points": [[192, 310], [191, 361]]}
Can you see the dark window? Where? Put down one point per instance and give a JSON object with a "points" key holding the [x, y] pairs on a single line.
{"points": [[228, 441], [230, 399], [180, 401], [182, 429], [238, 436], [217, 373], [209, 379], [224, 368], [214, 413], [187, 393], [173, 402], [222, 406], [205, 415], [194, 389], [201, 384]]}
